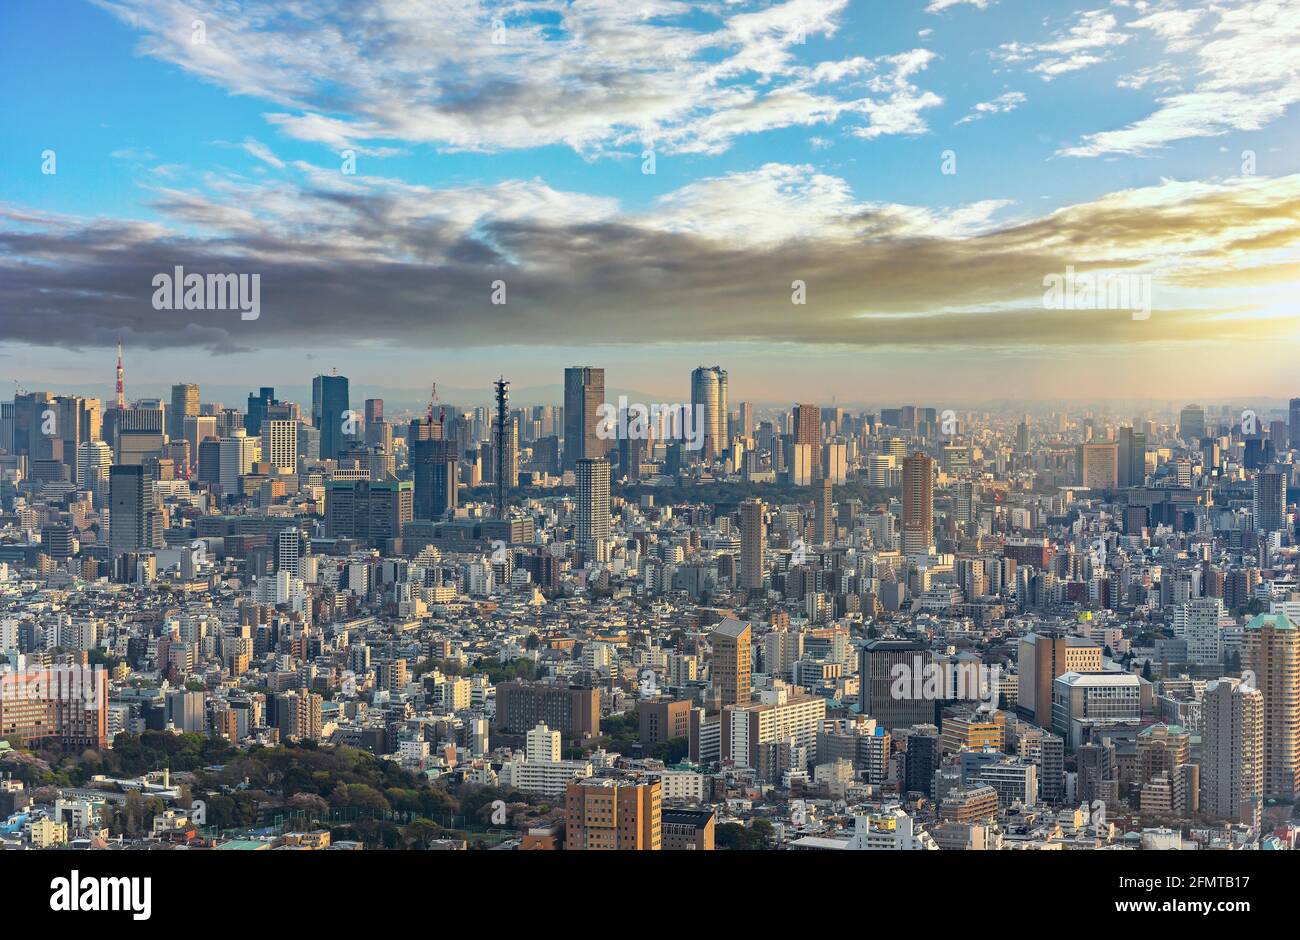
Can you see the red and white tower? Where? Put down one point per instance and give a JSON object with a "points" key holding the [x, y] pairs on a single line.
{"points": [[121, 398]]}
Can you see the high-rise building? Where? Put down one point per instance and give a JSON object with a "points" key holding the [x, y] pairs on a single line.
{"points": [[1099, 465], [280, 444], [709, 403], [1042, 658], [584, 393], [435, 470], [329, 402], [807, 431], [1191, 423], [918, 503], [1271, 651], [823, 516], [613, 813], [1132, 457], [370, 510], [259, 404], [93, 461], [1269, 500], [1232, 751], [592, 525], [753, 544], [238, 453], [374, 411], [185, 403], [1294, 414], [881, 665], [62, 705], [732, 661], [135, 523]]}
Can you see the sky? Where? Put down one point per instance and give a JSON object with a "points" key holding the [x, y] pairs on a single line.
{"points": [[834, 200]]}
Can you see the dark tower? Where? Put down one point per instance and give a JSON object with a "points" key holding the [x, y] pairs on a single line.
{"points": [[499, 444]]}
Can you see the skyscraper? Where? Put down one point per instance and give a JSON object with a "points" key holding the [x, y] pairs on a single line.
{"points": [[1294, 413], [918, 502], [1099, 465], [584, 393], [374, 421], [1269, 502], [185, 403], [1232, 752], [823, 518], [1271, 651], [258, 404], [732, 661], [592, 526], [1132, 457], [808, 431], [435, 470], [280, 444], [709, 404], [1191, 423], [753, 541], [134, 520], [329, 401]]}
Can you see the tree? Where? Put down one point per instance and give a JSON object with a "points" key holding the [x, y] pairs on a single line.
{"points": [[1146, 670]]}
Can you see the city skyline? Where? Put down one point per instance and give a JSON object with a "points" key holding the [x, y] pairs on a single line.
{"points": [[916, 181]]}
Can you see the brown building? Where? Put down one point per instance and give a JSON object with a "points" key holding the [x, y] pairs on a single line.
{"points": [[573, 711], [732, 661], [970, 805], [613, 813], [1043, 658], [918, 502], [65, 705], [1271, 650], [663, 721], [688, 829]]}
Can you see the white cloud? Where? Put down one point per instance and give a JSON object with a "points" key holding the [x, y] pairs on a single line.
{"points": [[999, 105]]}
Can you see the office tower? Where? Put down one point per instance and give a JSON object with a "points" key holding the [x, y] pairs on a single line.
{"points": [[66, 706], [1132, 457], [823, 517], [709, 404], [435, 470], [1191, 423], [965, 502], [280, 444], [198, 429], [374, 411], [1098, 465], [258, 406], [631, 455], [753, 544], [329, 401], [888, 667], [1294, 414], [135, 523], [35, 427], [613, 814], [93, 461], [369, 510], [921, 759], [584, 393], [1269, 500], [1022, 436], [1098, 773], [918, 503], [807, 431], [732, 661], [1042, 657], [185, 403], [571, 710], [663, 720], [592, 525], [504, 443], [1271, 650], [237, 453], [745, 420], [1232, 751]]}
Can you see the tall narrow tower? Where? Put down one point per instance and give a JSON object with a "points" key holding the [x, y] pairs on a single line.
{"points": [[499, 443], [121, 398]]}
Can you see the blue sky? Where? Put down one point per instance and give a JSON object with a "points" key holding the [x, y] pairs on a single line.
{"points": [[1108, 136]]}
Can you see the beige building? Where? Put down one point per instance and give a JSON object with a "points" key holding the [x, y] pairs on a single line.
{"points": [[1271, 651]]}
